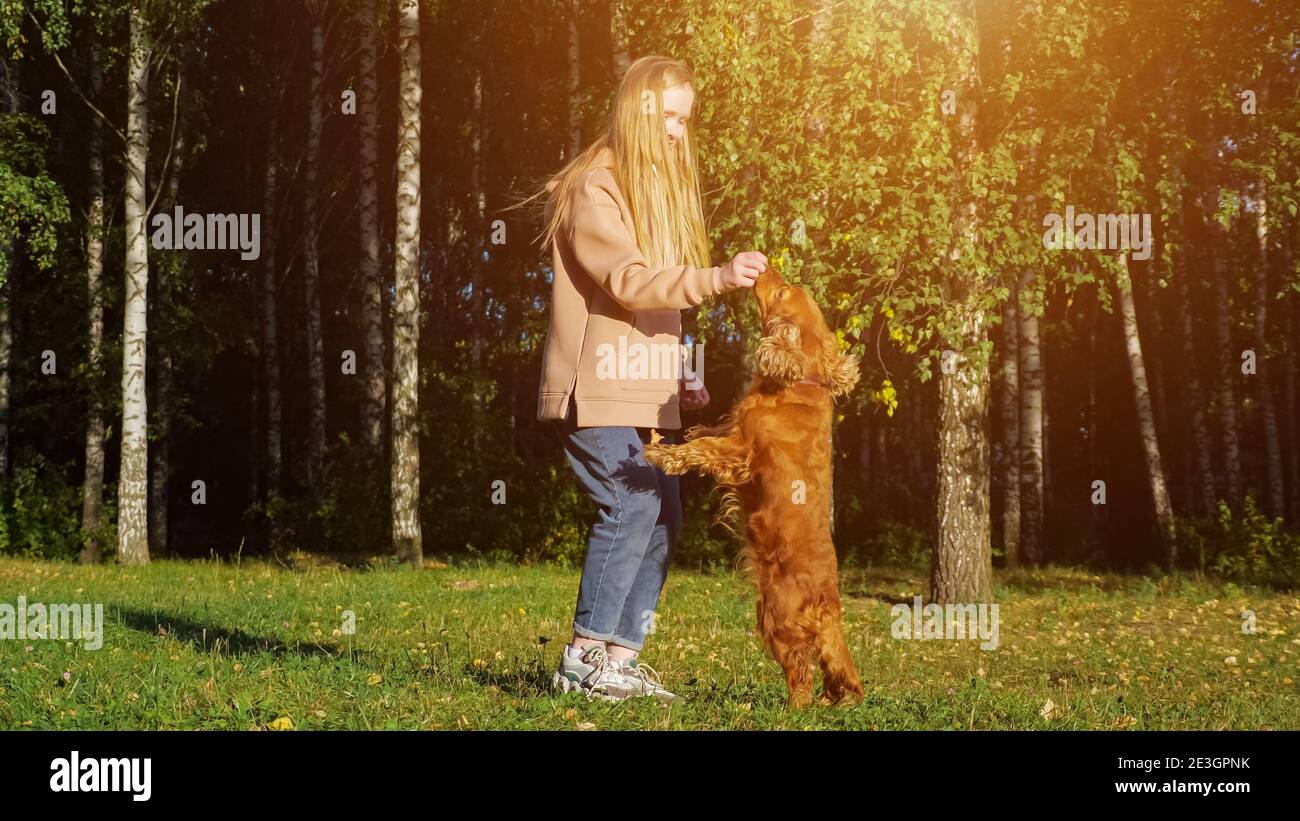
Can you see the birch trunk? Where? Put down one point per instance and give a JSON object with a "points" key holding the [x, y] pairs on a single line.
{"points": [[1146, 416], [1031, 435], [10, 90], [1229, 370], [270, 316], [1293, 418], [962, 566], [6, 344], [1274, 500], [477, 244], [1204, 494], [575, 99], [406, 317], [311, 268], [371, 282], [962, 570], [1011, 432], [133, 481], [1096, 512], [92, 488], [618, 37]]}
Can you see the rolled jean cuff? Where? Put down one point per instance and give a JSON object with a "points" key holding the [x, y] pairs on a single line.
{"points": [[628, 643], [579, 630]]}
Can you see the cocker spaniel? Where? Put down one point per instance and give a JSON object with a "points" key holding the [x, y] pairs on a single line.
{"points": [[772, 454]]}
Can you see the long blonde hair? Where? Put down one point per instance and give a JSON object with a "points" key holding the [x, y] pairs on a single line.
{"points": [[659, 181]]}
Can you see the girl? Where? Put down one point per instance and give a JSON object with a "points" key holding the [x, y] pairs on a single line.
{"points": [[629, 250]]}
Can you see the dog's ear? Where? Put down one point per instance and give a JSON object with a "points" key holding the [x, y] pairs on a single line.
{"points": [[841, 371], [779, 356]]}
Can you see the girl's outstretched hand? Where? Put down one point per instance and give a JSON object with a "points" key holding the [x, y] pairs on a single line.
{"points": [[743, 270], [694, 399]]}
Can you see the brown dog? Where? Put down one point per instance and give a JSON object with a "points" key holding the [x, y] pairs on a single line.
{"points": [[773, 454]]}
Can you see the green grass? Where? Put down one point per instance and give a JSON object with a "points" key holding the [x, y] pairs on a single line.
{"points": [[222, 646]]}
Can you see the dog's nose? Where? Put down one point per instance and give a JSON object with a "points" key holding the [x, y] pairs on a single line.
{"points": [[767, 284]]}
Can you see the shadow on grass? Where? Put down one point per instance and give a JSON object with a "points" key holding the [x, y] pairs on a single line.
{"points": [[533, 680], [882, 582], [219, 638]]}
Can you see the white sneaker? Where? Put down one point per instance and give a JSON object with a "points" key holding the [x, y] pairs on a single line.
{"points": [[645, 680], [595, 674]]}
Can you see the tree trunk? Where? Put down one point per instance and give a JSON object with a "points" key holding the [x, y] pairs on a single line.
{"points": [[618, 37], [1274, 500], [311, 269], [269, 311], [1292, 307], [864, 452], [1011, 432], [1046, 439], [815, 129], [10, 90], [1096, 512], [882, 456], [133, 480], [406, 317], [159, 456], [962, 566], [6, 343], [818, 34], [1031, 435], [92, 488], [1153, 359], [1229, 368], [1204, 494], [477, 245], [1146, 416], [160, 453], [749, 172], [371, 282], [962, 570], [575, 98]]}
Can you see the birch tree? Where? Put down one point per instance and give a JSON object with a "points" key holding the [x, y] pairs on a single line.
{"points": [[406, 316]]}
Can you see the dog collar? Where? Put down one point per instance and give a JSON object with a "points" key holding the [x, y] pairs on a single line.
{"points": [[818, 382]]}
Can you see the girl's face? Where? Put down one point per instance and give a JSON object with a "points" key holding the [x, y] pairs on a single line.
{"points": [[677, 110]]}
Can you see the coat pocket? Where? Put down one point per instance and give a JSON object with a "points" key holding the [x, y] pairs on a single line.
{"points": [[654, 352]]}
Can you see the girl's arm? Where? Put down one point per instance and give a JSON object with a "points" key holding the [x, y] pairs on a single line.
{"points": [[603, 246]]}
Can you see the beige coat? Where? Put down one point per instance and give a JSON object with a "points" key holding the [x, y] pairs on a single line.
{"points": [[607, 304]]}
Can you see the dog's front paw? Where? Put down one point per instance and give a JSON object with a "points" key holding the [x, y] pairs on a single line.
{"points": [[661, 456]]}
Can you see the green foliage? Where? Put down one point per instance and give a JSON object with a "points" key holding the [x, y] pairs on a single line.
{"points": [[892, 544], [354, 514], [54, 23], [40, 512], [480, 496], [30, 202], [703, 545], [1251, 547]]}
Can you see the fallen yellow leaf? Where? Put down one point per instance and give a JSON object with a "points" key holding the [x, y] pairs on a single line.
{"points": [[281, 723]]}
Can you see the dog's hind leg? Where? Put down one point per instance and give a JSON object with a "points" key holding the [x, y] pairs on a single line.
{"points": [[839, 677], [789, 643], [794, 656]]}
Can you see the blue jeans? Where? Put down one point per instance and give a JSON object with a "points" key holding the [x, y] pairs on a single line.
{"points": [[631, 542]]}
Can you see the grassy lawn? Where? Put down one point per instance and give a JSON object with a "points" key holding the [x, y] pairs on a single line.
{"points": [[260, 645]]}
